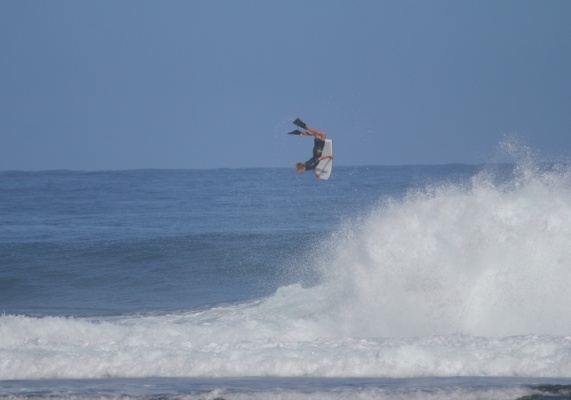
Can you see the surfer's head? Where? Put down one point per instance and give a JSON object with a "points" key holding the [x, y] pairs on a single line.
{"points": [[300, 167]]}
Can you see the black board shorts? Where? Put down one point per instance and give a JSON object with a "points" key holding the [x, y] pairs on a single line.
{"points": [[317, 152]]}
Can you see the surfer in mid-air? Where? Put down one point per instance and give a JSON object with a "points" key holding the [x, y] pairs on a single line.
{"points": [[318, 144]]}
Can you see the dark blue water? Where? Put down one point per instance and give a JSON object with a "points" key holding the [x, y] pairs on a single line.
{"points": [[81, 243]]}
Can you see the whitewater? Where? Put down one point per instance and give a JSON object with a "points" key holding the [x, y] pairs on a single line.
{"points": [[449, 279]]}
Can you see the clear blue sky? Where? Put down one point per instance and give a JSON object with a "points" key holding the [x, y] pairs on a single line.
{"points": [[99, 85]]}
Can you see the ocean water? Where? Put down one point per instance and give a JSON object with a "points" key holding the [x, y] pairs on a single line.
{"points": [[405, 282]]}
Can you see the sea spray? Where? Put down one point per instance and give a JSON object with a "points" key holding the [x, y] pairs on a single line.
{"points": [[491, 258]]}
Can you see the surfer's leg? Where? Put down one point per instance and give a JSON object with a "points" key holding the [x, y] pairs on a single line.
{"points": [[318, 134]]}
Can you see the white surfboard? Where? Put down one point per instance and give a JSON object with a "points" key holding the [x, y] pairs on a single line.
{"points": [[323, 169]]}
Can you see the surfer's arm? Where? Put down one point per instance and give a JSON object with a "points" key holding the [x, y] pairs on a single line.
{"points": [[325, 157]]}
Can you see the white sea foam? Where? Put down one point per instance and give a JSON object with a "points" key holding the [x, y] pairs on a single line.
{"points": [[449, 281], [236, 345], [185, 345]]}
